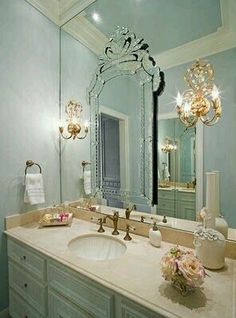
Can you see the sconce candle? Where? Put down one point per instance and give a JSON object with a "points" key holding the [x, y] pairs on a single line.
{"points": [[202, 99], [74, 127]]}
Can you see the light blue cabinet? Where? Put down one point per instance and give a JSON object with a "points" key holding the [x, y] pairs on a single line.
{"points": [[178, 204], [40, 287]]}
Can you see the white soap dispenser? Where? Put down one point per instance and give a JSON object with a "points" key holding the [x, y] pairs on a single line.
{"points": [[155, 235]]}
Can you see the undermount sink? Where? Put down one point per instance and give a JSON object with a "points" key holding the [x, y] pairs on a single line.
{"points": [[97, 247]]}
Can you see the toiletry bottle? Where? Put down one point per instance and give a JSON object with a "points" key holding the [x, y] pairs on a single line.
{"points": [[155, 235]]}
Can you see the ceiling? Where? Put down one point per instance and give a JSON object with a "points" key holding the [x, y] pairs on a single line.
{"points": [[164, 24], [177, 31]]}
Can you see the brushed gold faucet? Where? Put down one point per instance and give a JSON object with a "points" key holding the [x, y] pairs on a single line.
{"points": [[114, 218], [128, 211]]}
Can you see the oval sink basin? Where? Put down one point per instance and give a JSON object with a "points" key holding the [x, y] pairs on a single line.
{"points": [[97, 247]]}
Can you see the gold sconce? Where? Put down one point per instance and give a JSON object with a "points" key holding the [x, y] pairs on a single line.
{"points": [[168, 145], [74, 127], [202, 100]]}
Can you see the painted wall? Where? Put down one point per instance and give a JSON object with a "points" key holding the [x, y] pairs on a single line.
{"points": [[219, 140], [29, 82], [77, 67]]}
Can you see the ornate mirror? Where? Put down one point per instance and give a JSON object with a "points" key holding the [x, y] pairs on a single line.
{"points": [[121, 97]]}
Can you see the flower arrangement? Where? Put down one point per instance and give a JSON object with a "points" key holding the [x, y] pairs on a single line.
{"points": [[182, 269]]}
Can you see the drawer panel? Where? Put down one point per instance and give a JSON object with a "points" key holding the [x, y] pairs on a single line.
{"points": [[19, 308], [28, 287], [185, 196], [59, 307], [80, 290], [166, 204], [28, 259], [166, 194]]}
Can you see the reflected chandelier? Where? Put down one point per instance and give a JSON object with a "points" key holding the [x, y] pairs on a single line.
{"points": [[202, 99], [74, 127], [168, 145]]}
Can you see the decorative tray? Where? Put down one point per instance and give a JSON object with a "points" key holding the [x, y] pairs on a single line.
{"points": [[55, 219]]}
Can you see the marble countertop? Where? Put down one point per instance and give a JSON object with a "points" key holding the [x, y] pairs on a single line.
{"points": [[136, 274]]}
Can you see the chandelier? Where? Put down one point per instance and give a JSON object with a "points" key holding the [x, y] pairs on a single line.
{"points": [[201, 100], [74, 127], [168, 145]]}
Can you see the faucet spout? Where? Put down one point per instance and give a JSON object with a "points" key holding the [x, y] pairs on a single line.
{"points": [[114, 218]]}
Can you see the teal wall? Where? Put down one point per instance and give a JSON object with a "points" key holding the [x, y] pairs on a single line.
{"points": [[219, 140], [29, 82], [77, 67]]}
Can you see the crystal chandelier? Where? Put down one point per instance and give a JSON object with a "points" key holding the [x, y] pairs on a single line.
{"points": [[168, 145], [74, 127], [202, 99]]}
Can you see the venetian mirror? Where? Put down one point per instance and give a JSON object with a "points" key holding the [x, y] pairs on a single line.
{"points": [[121, 111]]}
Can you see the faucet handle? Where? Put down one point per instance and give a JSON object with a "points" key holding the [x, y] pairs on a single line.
{"points": [[127, 236], [99, 221]]}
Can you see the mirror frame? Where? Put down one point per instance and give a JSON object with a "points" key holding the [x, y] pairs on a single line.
{"points": [[125, 54]]}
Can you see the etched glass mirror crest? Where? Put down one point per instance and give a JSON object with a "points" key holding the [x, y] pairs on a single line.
{"points": [[125, 62]]}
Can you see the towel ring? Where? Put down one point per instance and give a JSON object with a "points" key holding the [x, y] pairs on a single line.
{"points": [[84, 164], [30, 163]]}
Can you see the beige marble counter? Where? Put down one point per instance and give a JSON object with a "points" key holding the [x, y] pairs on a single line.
{"points": [[137, 273]]}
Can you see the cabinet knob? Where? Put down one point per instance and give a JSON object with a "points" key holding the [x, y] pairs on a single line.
{"points": [[24, 257], [26, 285]]}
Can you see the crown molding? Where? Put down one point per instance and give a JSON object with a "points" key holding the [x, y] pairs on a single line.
{"points": [[60, 11], [70, 8], [223, 39], [86, 33], [49, 8]]}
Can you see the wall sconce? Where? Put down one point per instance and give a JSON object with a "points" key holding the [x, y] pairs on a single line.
{"points": [[74, 127], [202, 100], [168, 145]]}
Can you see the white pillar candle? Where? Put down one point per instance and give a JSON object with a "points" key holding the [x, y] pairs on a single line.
{"points": [[211, 199]]}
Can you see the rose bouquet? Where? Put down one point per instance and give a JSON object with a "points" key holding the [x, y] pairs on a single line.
{"points": [[182, 269]]}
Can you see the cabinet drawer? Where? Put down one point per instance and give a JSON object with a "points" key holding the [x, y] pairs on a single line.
{"points": [[19, 308], [59, 307], [28, 287], [166, 205], [166, 194], [28, 259], [185, 196], [128, 309], [80, 290]]}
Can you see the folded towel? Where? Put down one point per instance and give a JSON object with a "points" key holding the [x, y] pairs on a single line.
{"points": [[87, 182], [34, 190], [166, 173]]}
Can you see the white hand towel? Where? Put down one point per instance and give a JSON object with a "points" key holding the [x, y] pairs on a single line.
{"points": [[34, 190], [166, 173], [87, 182]]}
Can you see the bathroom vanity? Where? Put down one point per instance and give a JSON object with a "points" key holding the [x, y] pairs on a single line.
{"points": [[48, 278], [178, 203]]}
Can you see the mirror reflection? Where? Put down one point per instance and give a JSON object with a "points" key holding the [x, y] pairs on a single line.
{"points": [[176, 169], [181, 36]]}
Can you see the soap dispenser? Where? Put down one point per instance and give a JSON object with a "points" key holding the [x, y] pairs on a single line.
{"points": [[155, 235]]}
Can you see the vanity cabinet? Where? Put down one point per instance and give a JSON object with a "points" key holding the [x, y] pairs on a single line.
{"points": [[128, 309], [186, 205], [166, 202], [177, 203], [40, 287], [83, 292], [27, 282]]}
